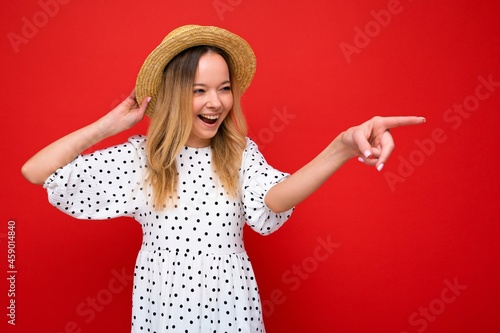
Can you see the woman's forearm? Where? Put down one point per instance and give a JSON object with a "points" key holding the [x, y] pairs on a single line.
{"points": [[308, 179], [59, 153]]}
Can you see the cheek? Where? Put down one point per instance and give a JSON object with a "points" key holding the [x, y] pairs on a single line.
{"points": [[197, 105], [229, 102]]}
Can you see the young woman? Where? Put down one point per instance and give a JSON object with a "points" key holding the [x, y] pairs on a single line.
{"points": [[193, 182]]}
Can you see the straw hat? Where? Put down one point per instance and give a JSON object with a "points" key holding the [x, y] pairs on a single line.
{"points": [[184, 37]]}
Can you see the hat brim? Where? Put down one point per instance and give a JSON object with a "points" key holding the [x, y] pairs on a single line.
{"points": [[180, 39]]}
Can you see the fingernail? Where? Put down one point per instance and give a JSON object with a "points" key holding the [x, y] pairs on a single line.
{"points": [[149, 99], [424, 119], [367, 153], [361, 159], [380, 167]]}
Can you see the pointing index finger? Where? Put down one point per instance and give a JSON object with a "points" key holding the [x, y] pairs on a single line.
{"points": [[392, 122]]}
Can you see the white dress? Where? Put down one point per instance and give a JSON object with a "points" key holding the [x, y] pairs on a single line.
{"points": [[192, 273]]}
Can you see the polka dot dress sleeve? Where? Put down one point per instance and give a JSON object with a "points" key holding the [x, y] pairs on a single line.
{"points": [[101, 185], [257, 178]]}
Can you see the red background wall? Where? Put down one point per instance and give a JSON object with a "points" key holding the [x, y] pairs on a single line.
{"points": [[412, 249]]}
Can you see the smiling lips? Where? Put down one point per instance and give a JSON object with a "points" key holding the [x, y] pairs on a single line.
{"points": [[209, 119]]}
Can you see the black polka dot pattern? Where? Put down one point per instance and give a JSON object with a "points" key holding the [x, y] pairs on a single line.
{"points": [[192, 273]]}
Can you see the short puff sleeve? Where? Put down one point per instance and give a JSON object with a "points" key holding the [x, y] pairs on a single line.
{"points": [[101, 185], [257, 177]]}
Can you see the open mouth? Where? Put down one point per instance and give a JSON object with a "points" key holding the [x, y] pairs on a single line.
{"points": [[208, 119]]}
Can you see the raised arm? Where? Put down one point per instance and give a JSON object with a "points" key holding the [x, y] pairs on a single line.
{"points": [[59, 153], [371, 142]]}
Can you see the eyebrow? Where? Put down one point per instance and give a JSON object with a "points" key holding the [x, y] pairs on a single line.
{"points": [[204, 85]]}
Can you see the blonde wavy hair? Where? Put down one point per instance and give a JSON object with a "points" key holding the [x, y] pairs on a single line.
{"points": [[171, 125]]}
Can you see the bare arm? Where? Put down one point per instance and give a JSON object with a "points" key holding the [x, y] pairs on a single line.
{"points": [[59, 153], [370, 141]]}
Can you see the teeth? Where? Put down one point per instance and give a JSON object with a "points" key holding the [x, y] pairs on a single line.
{"points": [[210, 117]]}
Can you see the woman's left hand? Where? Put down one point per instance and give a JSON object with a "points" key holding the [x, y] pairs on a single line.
{"points": [[372, 141]]}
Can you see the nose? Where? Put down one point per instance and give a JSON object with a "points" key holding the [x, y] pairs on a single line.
{"points": [[213, 100]]}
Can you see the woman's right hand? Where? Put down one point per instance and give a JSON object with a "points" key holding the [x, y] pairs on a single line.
{"points": [[124, 116]]}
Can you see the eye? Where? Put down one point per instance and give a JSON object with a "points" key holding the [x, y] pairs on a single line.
{"points": [[198, 91], [226, 88]]}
